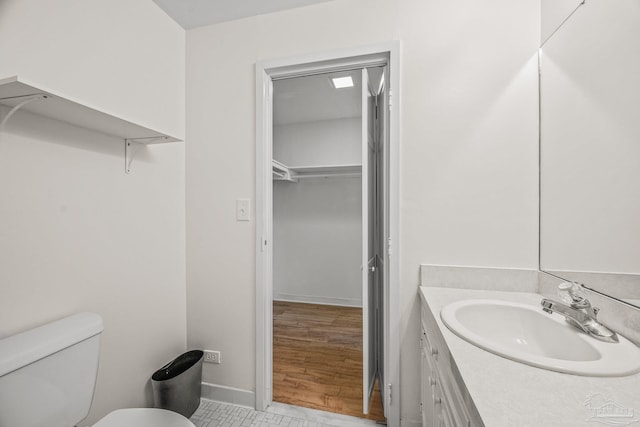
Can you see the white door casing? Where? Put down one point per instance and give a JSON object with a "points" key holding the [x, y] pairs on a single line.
{"points": [[354, 58]]}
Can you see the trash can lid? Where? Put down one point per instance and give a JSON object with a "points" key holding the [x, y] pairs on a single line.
{"points": [[143, 417], [178, 365]]}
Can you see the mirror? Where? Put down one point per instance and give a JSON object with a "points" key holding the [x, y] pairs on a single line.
{"points": [[590, 148]]}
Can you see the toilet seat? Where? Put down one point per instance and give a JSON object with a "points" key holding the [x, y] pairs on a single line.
{"points": [[143, 417]]}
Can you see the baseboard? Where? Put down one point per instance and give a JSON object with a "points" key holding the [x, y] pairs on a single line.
{"points": [[410, 423], [310, 299], [232, 395]]}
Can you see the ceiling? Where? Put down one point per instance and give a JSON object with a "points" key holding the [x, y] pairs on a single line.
{"points": [[313, 98], [197, 13]]}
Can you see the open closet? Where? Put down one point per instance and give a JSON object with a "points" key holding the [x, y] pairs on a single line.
{"points": [[317, 212], [327, 241]]}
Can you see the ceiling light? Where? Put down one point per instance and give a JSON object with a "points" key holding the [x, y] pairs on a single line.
{"points": [[342, 82]]}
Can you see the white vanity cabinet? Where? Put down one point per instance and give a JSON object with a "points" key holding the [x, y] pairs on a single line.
{"points": [[444, 401]]}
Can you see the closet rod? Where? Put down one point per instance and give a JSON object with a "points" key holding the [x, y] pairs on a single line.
{"points": [[329, 175]]}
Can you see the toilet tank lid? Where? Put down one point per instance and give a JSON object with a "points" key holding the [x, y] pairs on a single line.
{"points": [[34, 344]]}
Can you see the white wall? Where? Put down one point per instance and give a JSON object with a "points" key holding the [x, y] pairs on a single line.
{"points": [[76, 233], [468, 107], [319, 143], [317, 240], [318, 222], [553, 14], [123, 57]]}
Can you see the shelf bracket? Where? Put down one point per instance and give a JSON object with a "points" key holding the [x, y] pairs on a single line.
{"points": [[282, 172], [132, 145], [26, 100]]}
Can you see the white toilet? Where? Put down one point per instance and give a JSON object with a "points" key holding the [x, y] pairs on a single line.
{"points": [[48, 374]]}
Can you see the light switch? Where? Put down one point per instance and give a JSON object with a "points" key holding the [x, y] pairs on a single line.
{"points": [[243, 210]]}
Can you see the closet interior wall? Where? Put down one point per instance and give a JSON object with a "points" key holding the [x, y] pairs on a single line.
{"points": [[317, 220]]}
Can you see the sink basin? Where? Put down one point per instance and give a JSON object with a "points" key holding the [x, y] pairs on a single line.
{"points": [[526, 334]]}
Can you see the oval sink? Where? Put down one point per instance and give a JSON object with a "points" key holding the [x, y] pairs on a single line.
{"points": [[526, 334]]}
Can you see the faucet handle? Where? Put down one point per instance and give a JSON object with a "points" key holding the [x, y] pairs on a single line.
{"points": [[571, 293]]}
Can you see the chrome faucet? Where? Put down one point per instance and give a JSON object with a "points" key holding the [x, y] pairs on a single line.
{"points": [[578, 312]]}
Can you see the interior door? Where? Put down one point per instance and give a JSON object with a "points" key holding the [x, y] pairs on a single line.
{"points": [[369, 343], [381, 227]]}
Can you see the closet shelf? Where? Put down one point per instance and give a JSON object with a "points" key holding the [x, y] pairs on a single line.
{"points": [[282, 172], [16, 94]]}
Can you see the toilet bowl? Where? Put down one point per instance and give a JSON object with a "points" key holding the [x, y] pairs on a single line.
{"points": [[54, 368], [143, 417]]}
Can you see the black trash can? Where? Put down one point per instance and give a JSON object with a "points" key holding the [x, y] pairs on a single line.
{"points": [[176, 386]]}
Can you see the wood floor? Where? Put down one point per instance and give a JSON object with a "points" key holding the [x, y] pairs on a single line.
{"points": [[317, 358]]}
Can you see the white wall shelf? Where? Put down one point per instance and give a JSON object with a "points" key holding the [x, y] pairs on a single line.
{"points": [[282, 172], [16, 94]]}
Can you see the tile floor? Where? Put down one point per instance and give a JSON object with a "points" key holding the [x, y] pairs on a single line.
{"points": [[214, 414]]}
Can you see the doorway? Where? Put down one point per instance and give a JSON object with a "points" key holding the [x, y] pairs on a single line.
{"points": [[326, 144], [374, 173]]}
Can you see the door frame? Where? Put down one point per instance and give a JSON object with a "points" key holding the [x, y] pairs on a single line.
{"points": [[301, 65]]}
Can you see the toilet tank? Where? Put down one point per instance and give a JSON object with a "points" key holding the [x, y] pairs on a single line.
{"points": [[48, 374]]}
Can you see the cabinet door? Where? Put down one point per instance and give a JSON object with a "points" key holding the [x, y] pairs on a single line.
{"points": [[428, 381], [455, 410], [445, 416], [444, 412], [442, 398], [426, 401], [439, 415], [453, 403]]}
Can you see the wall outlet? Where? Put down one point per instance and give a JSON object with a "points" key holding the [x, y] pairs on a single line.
{"points": [[212, 356]]}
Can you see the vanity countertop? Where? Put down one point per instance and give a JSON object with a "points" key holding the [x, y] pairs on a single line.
{"points": [[508, 393]]}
